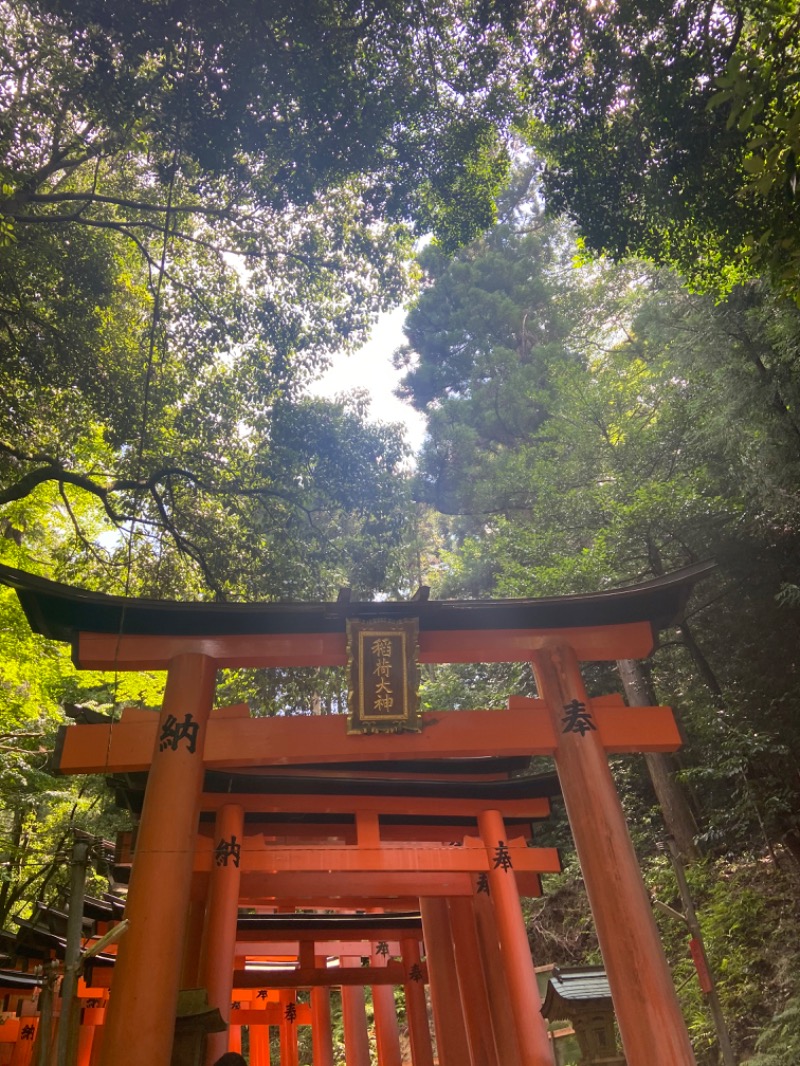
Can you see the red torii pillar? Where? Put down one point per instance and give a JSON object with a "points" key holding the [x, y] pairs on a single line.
{"points": [[387, 1032], [321, 1029], [354, 1017], [219, 934], [288, 1027], [534, 1043], [140, 1018], [650, 1021], [448, 1017], [472, 983], [491, 961], [419, 1032]]}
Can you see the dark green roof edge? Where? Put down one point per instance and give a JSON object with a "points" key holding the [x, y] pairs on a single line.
{"points": [[61, 612], [573, 987]]}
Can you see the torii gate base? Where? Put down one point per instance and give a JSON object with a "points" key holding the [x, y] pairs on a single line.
{"points": [[193, 641]]}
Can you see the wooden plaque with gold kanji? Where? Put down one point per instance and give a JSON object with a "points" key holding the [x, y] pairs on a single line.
{"points": [[383, 675]]}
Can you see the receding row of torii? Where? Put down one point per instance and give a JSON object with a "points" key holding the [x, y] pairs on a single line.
{"points": [[295, 813]]}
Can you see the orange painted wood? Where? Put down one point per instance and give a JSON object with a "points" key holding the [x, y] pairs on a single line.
{"points": [[9, 1030], [650, 1020], [333, 977], [535, 1047], [427, 858], [105, 651], [419, 1032], [259, 1046], [491, 962], [288, 1029], [271, 1015], [193, 941], [323, 946], [623, 729], [343, 902], [312, 936], [140, 1018], [254, 998], [321, 1027], [22, 1055], [219, 933], [127, 746], [345, 833], [356, 1035], [451, 734], [110, 651], [353, 891], [448, 1016], [355, 885], [591, 643], [237, 743], [387, 1030], [235, 1038], [368, 830], [85, 1041], [472, 983], [408, 805]]}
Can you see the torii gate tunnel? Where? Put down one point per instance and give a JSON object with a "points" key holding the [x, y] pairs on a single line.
{"points": [[372, 820]]}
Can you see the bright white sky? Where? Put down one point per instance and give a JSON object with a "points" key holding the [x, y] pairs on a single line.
{"points": [[371, 368]]}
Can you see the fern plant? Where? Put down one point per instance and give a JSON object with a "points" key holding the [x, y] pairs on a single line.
{"points": [[779, 1044]]}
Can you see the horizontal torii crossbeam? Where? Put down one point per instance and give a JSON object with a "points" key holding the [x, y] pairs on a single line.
{"points": [[236, 740]]}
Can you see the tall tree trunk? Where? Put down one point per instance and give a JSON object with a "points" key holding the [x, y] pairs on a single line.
{"points": [[671, 797], [704, 667]]}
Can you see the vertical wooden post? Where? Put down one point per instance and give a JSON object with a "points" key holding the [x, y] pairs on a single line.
{"points": [[22, 1055], [708, 987], [448, 1018], [321, 1029], [354, 1016], [85, 1041], [472, 982], [97, 1045], [69, 1024], [195, 923], [288, 1028], [387, 1031], [671, 797], [259, 1045], [140, 1019], [526, 1003], [419, 1032], [45, 1030], [235, 1038], [219, 934], [650, 1021], [505, 1029], [235, 1031]]}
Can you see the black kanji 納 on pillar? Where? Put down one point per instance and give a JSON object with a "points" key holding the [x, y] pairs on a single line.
{"points": [[228, 849], [173, 732]]}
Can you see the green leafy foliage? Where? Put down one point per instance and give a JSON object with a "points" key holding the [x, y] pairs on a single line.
{"points": [[206, 202], [670, 133], [592, 425], [779, 1043]]}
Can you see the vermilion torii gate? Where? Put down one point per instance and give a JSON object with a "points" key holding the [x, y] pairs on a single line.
{"points": [[188, 742]]}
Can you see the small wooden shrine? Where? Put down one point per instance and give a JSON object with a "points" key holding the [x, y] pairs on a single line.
{"points": [[582, 996], [275, 859]]}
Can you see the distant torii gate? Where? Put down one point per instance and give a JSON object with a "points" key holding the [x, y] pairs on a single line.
{"points": [[193, 641]]}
